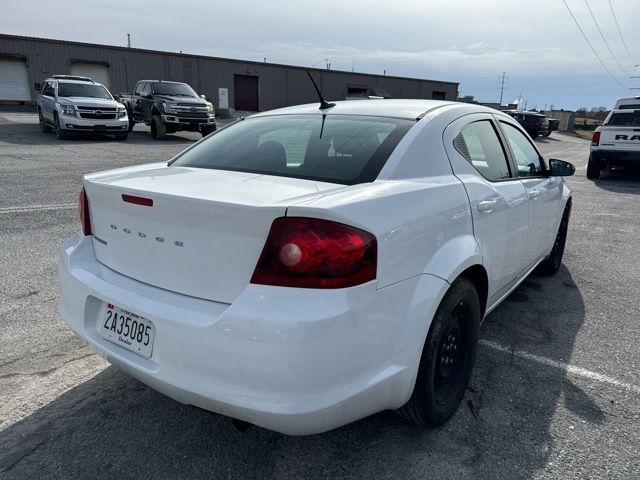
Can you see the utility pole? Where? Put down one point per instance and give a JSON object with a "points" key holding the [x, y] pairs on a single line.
{"points": [[502, 82], [128, 40]]}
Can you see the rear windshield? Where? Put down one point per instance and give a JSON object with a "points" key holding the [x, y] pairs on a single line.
{"points": [[629, 106], [331, 148], [83, 90], [625, 119]]}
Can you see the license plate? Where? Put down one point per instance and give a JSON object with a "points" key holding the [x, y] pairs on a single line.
{"points": [[128, 330], [100, 128]]}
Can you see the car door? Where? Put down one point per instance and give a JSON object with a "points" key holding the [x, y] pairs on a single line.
{"points": [[497, 197], [544, 192], [48, 101], [138, 101]]}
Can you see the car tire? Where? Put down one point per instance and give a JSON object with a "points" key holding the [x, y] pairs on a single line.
{"points": [[546, 134], [207, 130], [44, 126], [121, 136], [447, 357], [552, 264], [60, 133], [131, 122], [158, 128], [593, 169]]}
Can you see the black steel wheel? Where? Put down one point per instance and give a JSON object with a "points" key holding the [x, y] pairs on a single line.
{"points": [[552, 264], [447, 358]]}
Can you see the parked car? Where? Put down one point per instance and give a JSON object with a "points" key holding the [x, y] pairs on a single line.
{"points": [[616, 143], [304, 268], [533, 122], [168, 107], [70, 105]]}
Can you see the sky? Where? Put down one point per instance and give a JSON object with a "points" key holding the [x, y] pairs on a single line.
{"points": [[536, 43]]}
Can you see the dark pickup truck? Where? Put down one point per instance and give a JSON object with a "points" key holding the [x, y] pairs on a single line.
{"points": [[168, 107], [533, 122]]}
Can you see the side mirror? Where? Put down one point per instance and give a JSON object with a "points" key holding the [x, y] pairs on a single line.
{"points": [[560, 168], [203, 96]]}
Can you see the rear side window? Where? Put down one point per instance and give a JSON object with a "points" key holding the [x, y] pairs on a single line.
{"points": [[330, 148], [478, 142], [625, 119]]}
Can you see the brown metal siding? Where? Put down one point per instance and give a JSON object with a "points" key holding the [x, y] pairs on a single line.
{"points": [[279, 85]]}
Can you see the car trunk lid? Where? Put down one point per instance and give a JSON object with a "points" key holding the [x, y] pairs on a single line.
{"points": [[202, 235]]}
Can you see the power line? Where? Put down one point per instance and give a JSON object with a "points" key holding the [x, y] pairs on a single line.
{"points": [[604, 39], [620, 32], [591, 46]]}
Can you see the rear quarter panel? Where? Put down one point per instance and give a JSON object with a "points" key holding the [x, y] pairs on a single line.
{"points": [[421, 226]]}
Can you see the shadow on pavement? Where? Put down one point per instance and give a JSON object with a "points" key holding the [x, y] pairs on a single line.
{"points": [[112, 426], [30, 134], [619, 181]]}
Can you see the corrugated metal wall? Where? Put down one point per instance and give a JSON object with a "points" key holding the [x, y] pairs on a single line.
{"points": [[279, 85]]}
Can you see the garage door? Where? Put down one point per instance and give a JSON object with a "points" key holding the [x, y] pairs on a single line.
{"points": [[14, 81], [246, 92], [97, 73]]}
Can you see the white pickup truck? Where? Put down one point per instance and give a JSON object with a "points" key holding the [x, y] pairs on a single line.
{"points": [[616, 143]]}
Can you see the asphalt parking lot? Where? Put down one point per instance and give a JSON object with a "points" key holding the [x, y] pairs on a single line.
{"points": [[555, 392]]}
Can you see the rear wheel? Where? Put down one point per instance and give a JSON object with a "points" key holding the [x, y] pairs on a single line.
{"points": [[60, 133], [552, 264], [158, 128], [593, 169], [44, 126], [447, 357], [131, 122]]}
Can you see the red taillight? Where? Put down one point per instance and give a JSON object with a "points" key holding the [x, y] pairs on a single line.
{"points": [[595, 140], [147, 202], [539, 123], [84, 213], [312, 253]]}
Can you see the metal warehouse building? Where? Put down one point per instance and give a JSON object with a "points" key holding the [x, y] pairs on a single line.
{"points": [[244, 85]]}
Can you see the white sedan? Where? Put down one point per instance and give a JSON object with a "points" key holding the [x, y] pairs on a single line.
{"points": [[304, 268]]}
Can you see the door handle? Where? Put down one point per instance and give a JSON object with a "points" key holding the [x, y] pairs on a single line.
{"points": [[486, 206], [533, 194]]}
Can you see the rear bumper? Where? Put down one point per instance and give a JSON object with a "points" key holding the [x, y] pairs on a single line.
{"points": [[617, 158], [298, 361]]}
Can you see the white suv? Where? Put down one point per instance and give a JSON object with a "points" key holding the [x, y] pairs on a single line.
{"points": [[69, 104]]}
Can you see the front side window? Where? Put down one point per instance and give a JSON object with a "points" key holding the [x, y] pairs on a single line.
{"points": [[341, 149], [48, 89], [478, 142], [526, 156], [83, 90]]}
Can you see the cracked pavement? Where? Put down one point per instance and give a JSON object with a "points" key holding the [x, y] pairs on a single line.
{"points": [[65, 413]]}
